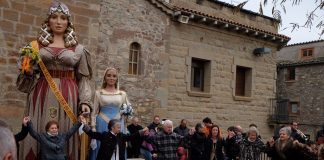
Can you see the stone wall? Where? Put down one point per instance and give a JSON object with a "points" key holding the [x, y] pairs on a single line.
{"points": [[122, 23], [19, 24], [225, 50], [308, 90], [108, 28], [161, 88]]}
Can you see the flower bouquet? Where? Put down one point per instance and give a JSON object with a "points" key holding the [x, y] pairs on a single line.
{"points": [[29, 57], [126, 110]]}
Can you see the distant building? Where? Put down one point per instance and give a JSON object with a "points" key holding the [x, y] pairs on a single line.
{"points": [[300, 86], [178, 58]]}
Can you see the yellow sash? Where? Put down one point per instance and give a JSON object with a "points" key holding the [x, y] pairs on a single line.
{"points": [[53, 86], [62, 101]]}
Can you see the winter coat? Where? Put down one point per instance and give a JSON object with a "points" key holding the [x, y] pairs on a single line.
{"points": [[52, 147], [20, 136], [290, 151], [232, 148], [251, 150], [166, 144], [198, 147], [181, 131], [109, 142], [296, 136], [152, 126], [136, 142], [219, 149]]}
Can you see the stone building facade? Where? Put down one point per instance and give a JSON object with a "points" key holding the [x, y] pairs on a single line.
{"points": [[177, 58], [300, 85]]}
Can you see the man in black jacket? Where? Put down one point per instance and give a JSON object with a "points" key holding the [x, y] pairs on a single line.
{"points": [[295, 133], [231, 146], [133, 150], [154, 125], [182, 129], [22, 134], [113, 142]]}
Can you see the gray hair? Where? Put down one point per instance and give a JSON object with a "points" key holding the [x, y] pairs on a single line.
{"points": [[168, 122], [7, 141], [253, 129], [287, 130]]}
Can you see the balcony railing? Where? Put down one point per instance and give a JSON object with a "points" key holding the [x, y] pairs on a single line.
{"points": [[279, 112]]}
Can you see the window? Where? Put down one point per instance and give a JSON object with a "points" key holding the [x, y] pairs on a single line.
{"points": [[307, 53], [134, 57], [243, 84], [200, 77], [291, 74], [293, 107]]}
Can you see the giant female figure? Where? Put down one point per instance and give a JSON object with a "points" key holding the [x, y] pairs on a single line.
{"points": [[109, 103], [69, 66]]}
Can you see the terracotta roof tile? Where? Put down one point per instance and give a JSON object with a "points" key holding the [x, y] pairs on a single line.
{"points": [[284, 64], [308, 42]]}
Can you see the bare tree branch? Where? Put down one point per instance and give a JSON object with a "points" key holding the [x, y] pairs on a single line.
{"points": [[311, 17], [282, 2], [261, 8], [239, 7], [321, 4], [276, 14], [296, 2], [283, 8], [295, 26]]}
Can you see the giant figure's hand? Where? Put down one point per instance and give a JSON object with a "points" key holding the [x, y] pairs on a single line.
{"points": [[85, 110]]}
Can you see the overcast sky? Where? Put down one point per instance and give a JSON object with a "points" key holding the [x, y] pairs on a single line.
{"points": [[295, 14]]}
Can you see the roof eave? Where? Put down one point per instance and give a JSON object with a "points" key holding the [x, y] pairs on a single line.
{"points": [[295, 64], [175, 12], [233, 27]]}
